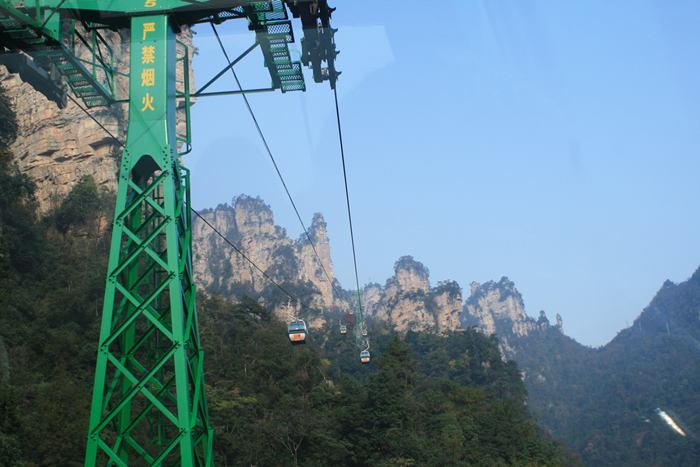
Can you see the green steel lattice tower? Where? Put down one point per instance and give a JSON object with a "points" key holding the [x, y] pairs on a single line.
{"points": [[148, 402], [149, 366]]}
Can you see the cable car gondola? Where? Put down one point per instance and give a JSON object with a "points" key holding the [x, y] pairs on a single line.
{"points": [[297, 331], [343, 329], [364, 356]]}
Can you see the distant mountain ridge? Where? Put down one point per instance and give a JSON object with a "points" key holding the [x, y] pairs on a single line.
{"points": [[601, 402], [407, 300]]}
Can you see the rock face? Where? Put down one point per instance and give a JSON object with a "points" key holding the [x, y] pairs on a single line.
{"points": [[310, 268], [249, 223], [408, 303], [57, 147], [498, 307], [447, 297]]}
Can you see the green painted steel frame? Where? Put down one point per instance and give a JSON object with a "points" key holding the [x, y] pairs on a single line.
{"points": [[94, 80], [148, 403], [51, 39], [115, 12], [123, 7]]}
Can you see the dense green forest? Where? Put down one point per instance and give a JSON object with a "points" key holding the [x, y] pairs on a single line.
{"points": [[424, 400], [428, 400]]}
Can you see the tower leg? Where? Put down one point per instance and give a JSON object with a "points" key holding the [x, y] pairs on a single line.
{"points": [[148, 403]]}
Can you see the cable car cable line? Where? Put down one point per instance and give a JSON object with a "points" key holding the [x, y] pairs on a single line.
{"points": [[362, 325], [269, 153], [245, 257], [347, 198]]}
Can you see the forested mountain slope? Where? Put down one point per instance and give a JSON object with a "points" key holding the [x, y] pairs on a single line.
{"points": [[424, 400], [603, 402]]}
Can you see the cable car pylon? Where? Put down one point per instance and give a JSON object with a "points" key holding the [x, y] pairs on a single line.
{"points": [[148, 402]]}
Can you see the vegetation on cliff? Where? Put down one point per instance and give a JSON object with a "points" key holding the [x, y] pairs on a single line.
{"points": [[408, 263]]}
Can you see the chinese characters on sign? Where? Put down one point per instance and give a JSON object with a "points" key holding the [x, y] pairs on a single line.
{"points": [[148, 78], [147, 102], [148, 57], [148, 54]]}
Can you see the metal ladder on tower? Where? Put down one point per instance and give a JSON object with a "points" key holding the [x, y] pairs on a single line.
{"points": [[274, 32], [28, 36]]}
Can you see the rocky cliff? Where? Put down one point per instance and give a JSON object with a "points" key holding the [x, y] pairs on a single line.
{"points": [[497, 308], [57, 147], [249, 223], [408, 303]]}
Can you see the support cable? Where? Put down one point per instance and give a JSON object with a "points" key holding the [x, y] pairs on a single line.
{"points": [[244, 256], [223, 237], [272, 158], [347, 201]]}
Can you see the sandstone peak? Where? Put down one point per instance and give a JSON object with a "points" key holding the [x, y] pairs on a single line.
{"points": [[473, 287], [408, 303], [447, 298], [506, 283], [318, 221], [318, 230], [503, 288], [449, 286], [408, 263], [249, 222], [410, 276], [253, 203], [253, 216], [498, 307], [560, 323]]}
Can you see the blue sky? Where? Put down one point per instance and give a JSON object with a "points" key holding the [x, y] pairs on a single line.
{"points": [[553, 142]]}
